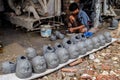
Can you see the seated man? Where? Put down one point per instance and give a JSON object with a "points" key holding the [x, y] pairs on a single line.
{"points": [[78, 20]]}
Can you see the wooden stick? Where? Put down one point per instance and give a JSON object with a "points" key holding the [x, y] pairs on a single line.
{"points": [[69, 70], [76, 62]]}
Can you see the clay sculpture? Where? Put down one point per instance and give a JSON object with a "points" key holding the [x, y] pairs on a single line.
{"points": [[59, 35], [81, 47], [75, 39], [48, 49], [96, 42], [53, 37], [62, 54], [8, 67], [89, 44], [30, 53], [82, 37], [58, 45], [108, 37], [66, 43], [102, 40], [73, 51], [23, 67], [39, 64], [51, 60]]}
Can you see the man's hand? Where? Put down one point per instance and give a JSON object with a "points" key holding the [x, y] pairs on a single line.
{"points": [[80, 28], [71, 30]]}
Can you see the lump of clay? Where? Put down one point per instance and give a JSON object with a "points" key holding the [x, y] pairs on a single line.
{"points": [[81, 47], [59, 35], [23, 67], [96, 42], [39, 64], [8, 67], [30, 53], [53, 38], [75, 38], [108, 37], [58, 45], [89, 44], [67, 42], [102, 40], [62, 54], [73, 51], [52, 60], [48, 49]]}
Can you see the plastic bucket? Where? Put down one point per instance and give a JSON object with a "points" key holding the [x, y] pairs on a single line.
{"points": [[45, 30]]}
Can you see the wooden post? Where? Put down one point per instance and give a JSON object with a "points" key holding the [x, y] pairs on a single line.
{"points": [[97, 13]]}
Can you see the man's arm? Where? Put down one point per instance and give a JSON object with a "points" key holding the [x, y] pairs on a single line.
{"points": [[73, 29]]}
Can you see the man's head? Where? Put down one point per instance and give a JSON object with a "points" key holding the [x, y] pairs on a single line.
{"points": [[74, 8]]}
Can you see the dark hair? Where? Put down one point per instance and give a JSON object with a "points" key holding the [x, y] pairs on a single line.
{"points": [[73, 6]]}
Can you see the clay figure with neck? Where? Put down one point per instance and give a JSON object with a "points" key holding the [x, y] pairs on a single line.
{"points": [[39, 64]]}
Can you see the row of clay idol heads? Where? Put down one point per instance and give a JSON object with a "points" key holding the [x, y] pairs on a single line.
{"points": [[53, 56]]}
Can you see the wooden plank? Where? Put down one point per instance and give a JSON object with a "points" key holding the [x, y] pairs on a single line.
{"points": [[14, 77]]}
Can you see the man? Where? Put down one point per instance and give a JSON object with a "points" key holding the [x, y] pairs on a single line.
{"points": [[78, 20]]}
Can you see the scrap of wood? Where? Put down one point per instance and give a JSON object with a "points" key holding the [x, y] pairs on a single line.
{"points": [[76, 62], [69, 70]]}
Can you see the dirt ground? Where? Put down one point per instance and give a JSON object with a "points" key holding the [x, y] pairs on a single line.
{"points": [[15, 41]]}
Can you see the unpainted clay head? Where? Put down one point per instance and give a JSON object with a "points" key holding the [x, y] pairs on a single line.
{"points": [[53, 38], [52, 60], [39, 64], [58, 45], [59, 35], [82, 37], [23, 68], [96, 42], [102, 40], [67, 42], [62, 54], [8, 67], [82, 47], [75, 39], [48, 49], [73, 51], [89, 44], [30, 53], [108, 37]]}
